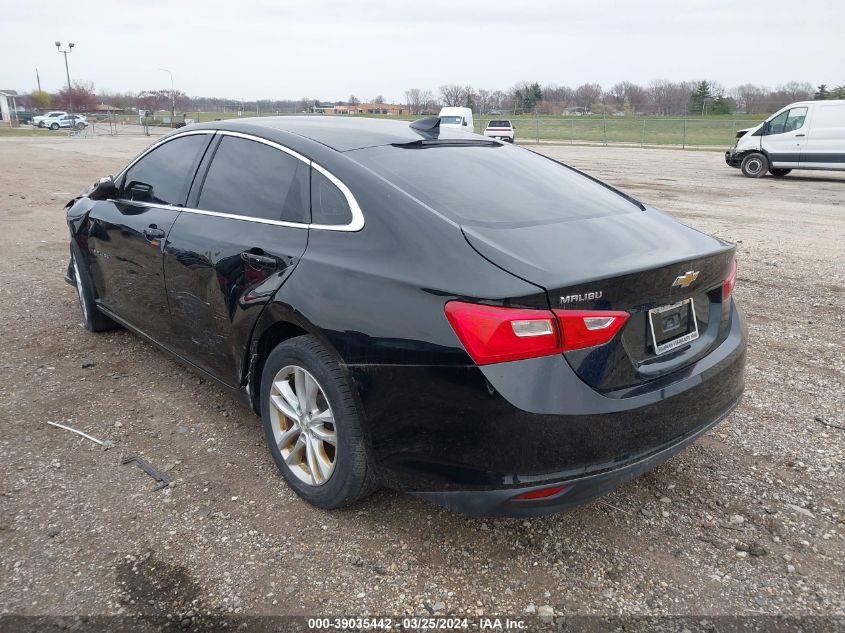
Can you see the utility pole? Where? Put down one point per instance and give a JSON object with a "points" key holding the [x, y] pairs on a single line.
{"points": [[67, 71], [38, 79], [172, 97]]}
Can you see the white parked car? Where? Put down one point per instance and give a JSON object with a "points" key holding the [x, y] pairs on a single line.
{"points": [[460, 118], [67, 120], [500, 128], [803, 135], [45, 119]]}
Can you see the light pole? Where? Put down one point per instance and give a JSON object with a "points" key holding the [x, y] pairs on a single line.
{"points": [[172, 97], [67, 70]]}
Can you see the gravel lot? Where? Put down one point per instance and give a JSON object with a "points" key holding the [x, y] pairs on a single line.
{"points": [[750, 520]]}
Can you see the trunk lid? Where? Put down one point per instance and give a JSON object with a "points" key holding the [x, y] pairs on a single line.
{"points": [[629, 262]]}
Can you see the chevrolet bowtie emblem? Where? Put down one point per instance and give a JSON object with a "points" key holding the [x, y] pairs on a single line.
{"points": [[686, 279]]}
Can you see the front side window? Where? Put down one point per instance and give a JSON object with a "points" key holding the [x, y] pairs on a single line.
{"points": [[164, 175], [787, 121], [795, 120], [256, 180]]}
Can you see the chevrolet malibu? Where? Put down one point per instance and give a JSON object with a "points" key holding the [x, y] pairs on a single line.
{"points": [[513, 341]]}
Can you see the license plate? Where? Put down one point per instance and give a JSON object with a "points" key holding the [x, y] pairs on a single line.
{"points": [[673, 326]]}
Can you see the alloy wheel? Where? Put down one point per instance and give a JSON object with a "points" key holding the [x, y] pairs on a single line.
{"points": [[303, 425]]}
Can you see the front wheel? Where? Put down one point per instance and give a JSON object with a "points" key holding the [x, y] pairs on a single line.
{"points": [[779, 172], [312, 426], [92, 318], [755, 165], [80, 126]]}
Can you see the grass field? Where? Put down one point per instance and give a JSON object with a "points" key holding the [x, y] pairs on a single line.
{"points": [[710, 131], [649, 130], [28, 131]]}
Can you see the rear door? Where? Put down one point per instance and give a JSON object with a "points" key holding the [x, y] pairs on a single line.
{"points": [[244, 230], [127, 235], [825, 147]]}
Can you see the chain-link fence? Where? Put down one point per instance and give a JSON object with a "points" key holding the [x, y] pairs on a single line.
{"points": [[629, 130], [681, 132]]}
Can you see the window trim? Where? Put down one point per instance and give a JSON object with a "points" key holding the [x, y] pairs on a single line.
{"points": [[356, 224]]}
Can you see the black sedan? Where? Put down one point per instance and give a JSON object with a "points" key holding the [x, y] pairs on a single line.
{"points": [[432, 311]]}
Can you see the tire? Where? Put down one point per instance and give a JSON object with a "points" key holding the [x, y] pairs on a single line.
{"points": [[41, 124], [54, 126], [80, 126], [779, 172], [350, 476], [755, 165], [92, 318]]}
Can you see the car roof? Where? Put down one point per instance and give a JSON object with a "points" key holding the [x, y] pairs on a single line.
{"points": [[342, 133]]}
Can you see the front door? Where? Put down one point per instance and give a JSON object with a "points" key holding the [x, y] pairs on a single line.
{"points": [[785, 137], [244, 230], [127, 236]]}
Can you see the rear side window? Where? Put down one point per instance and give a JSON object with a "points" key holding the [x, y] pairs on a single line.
{"points": [[164, 175], [493, 185], [256, 180], [328, 204]]}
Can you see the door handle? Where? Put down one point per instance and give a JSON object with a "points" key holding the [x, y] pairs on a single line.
{"points": [[800, 135], [262, 261], [153, 233]]}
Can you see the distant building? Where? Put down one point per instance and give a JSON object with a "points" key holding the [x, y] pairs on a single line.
{"points": [[8, 105], [360, 108]]}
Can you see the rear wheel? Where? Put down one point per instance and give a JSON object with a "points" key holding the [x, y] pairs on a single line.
{"points": [[779, 173], [92, 318], [312, 425], [54, 126], [755, 165]]}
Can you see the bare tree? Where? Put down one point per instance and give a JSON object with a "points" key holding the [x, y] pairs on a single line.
{"points": [[414, 99], [452, 95], [749, 97], [587, 94], [797, 91], [353, 100]]}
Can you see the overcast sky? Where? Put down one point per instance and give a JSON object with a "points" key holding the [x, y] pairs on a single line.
{"points": [[261, 49]]}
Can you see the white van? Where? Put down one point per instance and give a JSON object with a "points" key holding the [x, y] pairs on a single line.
{"points": [[803, 135], [460, 118]]}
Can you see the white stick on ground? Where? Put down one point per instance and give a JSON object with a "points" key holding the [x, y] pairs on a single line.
{"points": [[72, 430]]}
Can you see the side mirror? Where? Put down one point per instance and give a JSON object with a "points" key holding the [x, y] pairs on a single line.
{"points": [[767, 128], [104, 188], [465, 123]]}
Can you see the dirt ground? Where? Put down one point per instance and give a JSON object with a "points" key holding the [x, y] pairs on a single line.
{"points": [[750, 520]]}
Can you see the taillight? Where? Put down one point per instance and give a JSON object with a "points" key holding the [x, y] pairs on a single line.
{"points": [[730, 281], [588, 328], [493, 334]]}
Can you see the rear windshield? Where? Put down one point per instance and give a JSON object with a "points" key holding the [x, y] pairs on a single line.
{"points": [[499, 124], [493, 185], [451, 120]]}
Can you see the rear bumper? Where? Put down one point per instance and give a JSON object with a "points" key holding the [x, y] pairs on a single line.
{"points": [[473, 438], [578, 491]]}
